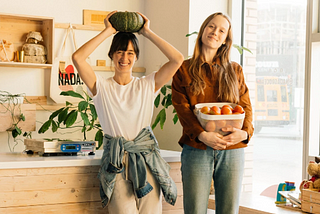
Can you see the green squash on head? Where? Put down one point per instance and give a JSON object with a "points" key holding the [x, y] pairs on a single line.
{"points": [[127, 21]]}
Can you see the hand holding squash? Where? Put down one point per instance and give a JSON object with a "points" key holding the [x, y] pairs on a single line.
{"points": [[107, 22], [146, 25]]}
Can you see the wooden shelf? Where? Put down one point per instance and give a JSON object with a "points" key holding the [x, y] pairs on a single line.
{"points": [[109, 68], [14, 28], [34, 65], [49, 107], [41, 103], [80, 27], [24, 65]]}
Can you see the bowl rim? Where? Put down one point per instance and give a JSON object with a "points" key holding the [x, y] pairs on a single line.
{"points": [[218, 117]]}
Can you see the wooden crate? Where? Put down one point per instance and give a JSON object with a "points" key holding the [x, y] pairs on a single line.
{"points": [[310, 195], [310, 207], [310, 201], [15, 28], [28, 110]]}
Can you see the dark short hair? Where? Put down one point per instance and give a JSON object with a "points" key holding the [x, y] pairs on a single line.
{"points": [[120, 42]]}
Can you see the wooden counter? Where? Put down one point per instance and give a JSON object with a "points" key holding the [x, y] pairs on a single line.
{"points": [[62, 184]]}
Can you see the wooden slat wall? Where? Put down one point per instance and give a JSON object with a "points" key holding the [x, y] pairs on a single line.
{"points": [[50, 190], [67, 190], [74, 208]]}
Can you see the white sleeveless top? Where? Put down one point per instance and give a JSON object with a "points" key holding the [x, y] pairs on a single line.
{"points": [[123, 110]]}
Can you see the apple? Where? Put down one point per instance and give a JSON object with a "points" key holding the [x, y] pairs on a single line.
{"points": [[215, 110], [210, 126], [205, 110]]}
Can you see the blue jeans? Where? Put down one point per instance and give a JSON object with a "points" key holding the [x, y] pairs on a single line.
{"points": [[199, 167]]}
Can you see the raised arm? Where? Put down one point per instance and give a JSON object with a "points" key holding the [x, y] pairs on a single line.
{"points": [[79, 57], [166, 71]]}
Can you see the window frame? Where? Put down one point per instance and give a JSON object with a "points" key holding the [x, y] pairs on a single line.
{"points": [[313, 8]]}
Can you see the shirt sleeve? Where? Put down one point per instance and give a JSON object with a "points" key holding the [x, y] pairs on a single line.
{"points": [[245, 102], [151, 79], [97, 86], [187, 118]]}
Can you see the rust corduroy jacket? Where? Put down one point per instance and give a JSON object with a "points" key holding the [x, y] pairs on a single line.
{"points": [[184, 102]]}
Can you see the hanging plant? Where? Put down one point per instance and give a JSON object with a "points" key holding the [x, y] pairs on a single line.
{"points": [[11, 104]]}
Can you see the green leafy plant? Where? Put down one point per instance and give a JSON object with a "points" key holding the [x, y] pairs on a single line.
{"points": [[66, 117], [165, 93]]}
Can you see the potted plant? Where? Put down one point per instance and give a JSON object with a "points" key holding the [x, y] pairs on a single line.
{"points": [[66, 117], [166, 102]]}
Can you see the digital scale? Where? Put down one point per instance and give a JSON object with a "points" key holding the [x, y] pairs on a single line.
{"points": [[47, 147]]}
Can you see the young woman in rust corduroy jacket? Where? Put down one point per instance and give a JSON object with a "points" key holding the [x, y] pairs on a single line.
{"points": [[207, 77]]}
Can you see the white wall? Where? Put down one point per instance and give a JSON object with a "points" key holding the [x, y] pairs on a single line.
{"points": [[199, 11], [170, 20], [194, 13]]}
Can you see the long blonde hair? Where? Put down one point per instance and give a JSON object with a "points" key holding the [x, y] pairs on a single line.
{"points": [[228, 84]]}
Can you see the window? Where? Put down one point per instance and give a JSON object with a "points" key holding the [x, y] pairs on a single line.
{"points": [[312, 121], [260, 93], [278, 109], [284, 96], [272, 96]]}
